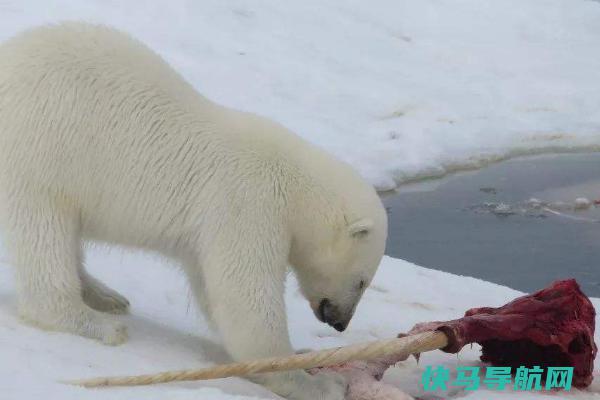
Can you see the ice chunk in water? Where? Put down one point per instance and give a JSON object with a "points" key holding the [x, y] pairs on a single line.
{"points": [[582, 203]]}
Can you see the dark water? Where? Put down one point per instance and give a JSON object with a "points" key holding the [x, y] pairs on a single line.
{"points": [[447, 225]]}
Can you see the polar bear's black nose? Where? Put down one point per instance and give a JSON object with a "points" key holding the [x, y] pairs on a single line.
{"points": [[339, 327], [330, 314]]}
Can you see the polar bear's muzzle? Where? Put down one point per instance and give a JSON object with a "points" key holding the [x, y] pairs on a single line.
{"points": [[331, 314]]}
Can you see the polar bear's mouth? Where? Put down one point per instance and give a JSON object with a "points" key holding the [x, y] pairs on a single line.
{"points": [[325, 303]]}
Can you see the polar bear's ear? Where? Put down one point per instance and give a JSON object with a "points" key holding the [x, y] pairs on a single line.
{"points": [[360, 228]]}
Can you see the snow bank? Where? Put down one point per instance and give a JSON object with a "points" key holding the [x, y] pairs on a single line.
{"points": [[165, 333], [400, 89]]}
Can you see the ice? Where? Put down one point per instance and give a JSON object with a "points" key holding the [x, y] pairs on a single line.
{"points": [[582, 203]]}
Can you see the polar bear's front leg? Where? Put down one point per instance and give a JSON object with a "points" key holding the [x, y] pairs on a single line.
{"points": [[44, 244], [246, 301]]}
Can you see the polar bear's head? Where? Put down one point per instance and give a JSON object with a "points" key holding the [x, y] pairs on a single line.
{"points": [[337, 259]]}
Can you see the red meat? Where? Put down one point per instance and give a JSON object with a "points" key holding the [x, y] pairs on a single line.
{"points": [[552, 327]]}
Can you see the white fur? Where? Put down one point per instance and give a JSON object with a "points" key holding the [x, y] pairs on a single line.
{"points": [[101, 140]]}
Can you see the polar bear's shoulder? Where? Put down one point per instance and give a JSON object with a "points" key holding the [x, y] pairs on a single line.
{"points": [[92, 56]]}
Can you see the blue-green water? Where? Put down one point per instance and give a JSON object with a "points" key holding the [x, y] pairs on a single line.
{"points": [[446, 225]]}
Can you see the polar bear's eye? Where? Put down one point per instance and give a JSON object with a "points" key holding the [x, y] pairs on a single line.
{"points": [[361, 285]]}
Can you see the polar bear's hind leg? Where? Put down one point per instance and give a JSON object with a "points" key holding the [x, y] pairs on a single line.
{"points": [[45, 247], [100, 297]]}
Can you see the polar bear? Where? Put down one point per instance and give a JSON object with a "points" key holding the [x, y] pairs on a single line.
{"points": [[101, 140]]}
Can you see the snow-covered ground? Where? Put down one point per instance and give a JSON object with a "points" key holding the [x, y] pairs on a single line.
{"points": [[400, 89], [166, 333]]}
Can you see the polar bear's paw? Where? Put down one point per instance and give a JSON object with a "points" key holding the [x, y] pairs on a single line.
{"points": [[102, 298], [113, 333], [328, 385], [75, 317], [299, 385]]}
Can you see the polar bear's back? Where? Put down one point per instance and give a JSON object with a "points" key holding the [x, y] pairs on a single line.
{"points": [[66, 85], [80, 53], [89, 114]]}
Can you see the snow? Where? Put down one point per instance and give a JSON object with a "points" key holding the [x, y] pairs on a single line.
{"points": [[166, 333], [402, 90]]}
